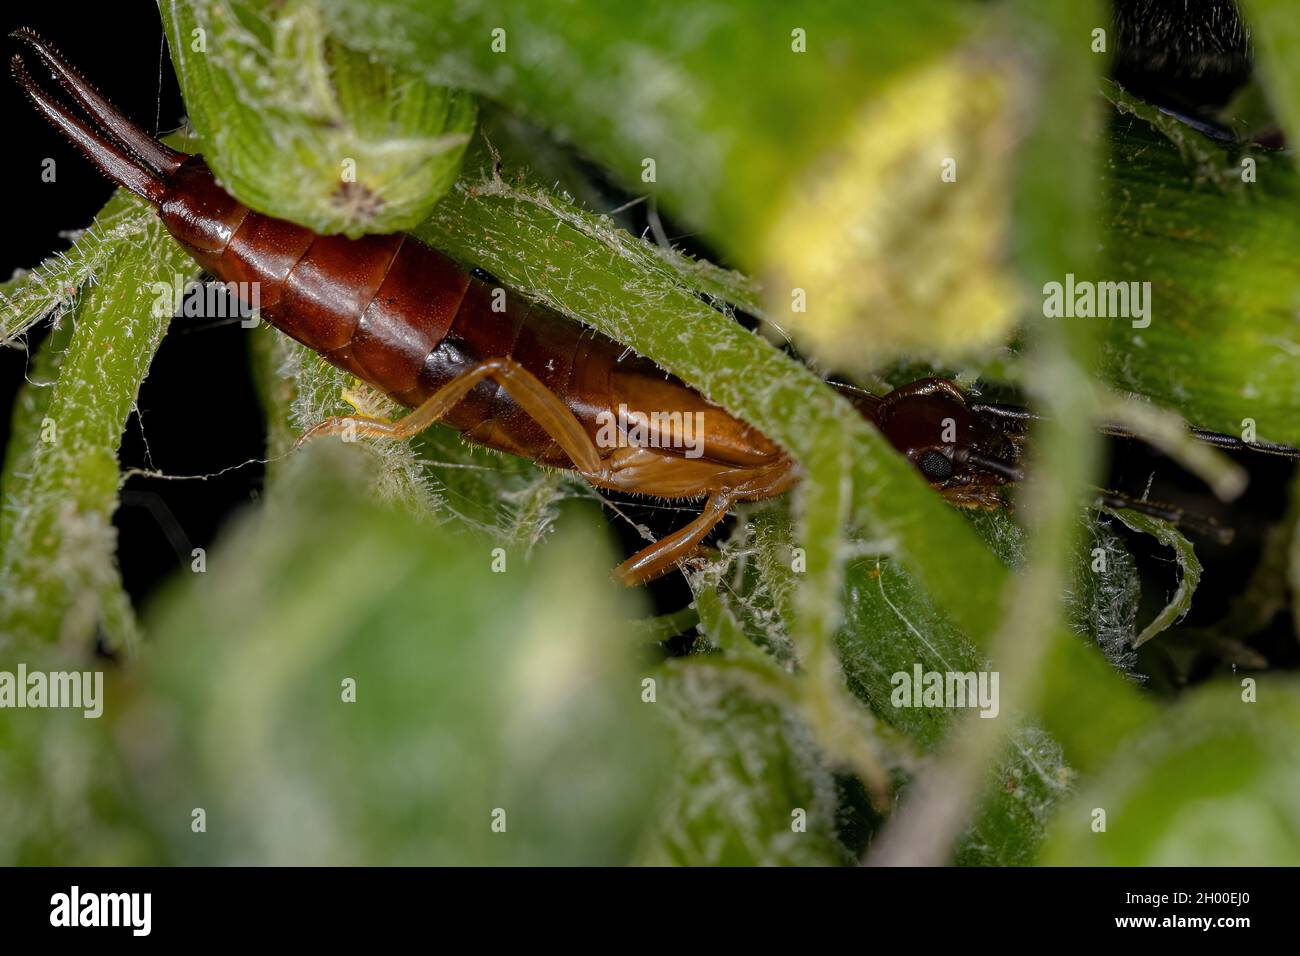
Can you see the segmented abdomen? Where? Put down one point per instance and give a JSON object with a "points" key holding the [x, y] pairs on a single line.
{"points": [[408, 320]]}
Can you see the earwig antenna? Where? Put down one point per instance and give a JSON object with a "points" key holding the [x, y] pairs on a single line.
{"points": [[1237, 444], [996, 466], [1219, 440], [1174, 515]]}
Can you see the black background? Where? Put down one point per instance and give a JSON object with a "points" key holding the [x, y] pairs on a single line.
{"points": [[198, 406]]}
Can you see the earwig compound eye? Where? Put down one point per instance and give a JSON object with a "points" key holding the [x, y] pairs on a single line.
{"points": [[936, 465]]}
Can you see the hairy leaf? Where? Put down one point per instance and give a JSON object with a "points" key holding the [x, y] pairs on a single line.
{"points": [[57, 566], [476, 693], [750, 788], [1211, 783], [297, 125]]}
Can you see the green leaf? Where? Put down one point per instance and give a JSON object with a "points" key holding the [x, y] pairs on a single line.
{"points": [[1211, 783], [750, 788], [1022, 794], [1189, 567], [1221, 345], [57, 567], [689, 84], [1105, 591], [52, 287], [297, 125], [65, 792], [475, 691], [1275, 33], [31, 408], [890, 627]]}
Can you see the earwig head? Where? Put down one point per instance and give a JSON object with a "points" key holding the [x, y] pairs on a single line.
{"points": [[930, 422], [119, 149]]}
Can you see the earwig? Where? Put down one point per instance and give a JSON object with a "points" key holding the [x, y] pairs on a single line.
{"points": [[527, 381]]}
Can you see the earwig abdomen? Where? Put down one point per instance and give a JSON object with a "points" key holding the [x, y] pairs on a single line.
{"points": [[408, 320]]}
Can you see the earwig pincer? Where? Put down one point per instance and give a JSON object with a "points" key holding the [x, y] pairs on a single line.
{"points": [[417, 326]]}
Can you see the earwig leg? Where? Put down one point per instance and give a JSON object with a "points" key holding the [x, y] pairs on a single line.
{"points": [[543, 405], [650, 562], [558, 420], [630, 471], [1201, 524]]}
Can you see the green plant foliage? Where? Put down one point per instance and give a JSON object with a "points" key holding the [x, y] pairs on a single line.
{"points": [[1276, 35], [1189, 566], [50, 290], [1211, 783], [891, 626], [750, 787], [65, 792], [1221, 347], [299, 126], [57, 568], [474, 691], [690, 85]]}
